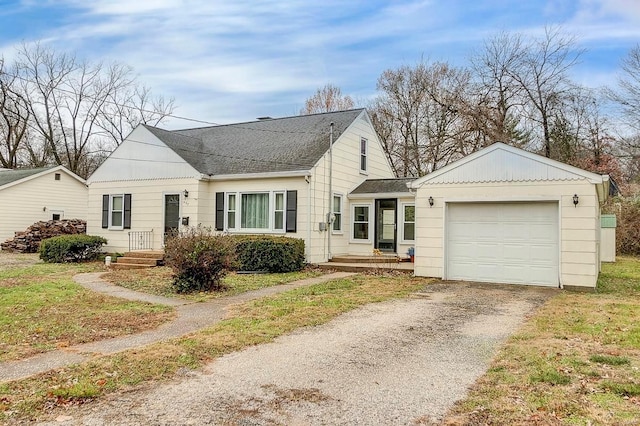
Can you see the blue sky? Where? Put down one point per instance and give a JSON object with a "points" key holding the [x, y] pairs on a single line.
{"points": [[230, 61]]}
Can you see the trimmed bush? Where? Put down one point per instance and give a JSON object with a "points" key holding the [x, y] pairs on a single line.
{"points": [[199, 260], [71, 248], [269, 253]]}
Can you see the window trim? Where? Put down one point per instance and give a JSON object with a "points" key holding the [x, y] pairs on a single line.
{"points": [[283, 211], [364, 143], [339, 231], [227, 211], [402, 239], [111, 226], [369, 239]]}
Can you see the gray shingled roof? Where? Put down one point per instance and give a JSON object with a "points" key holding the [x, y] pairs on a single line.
{"points": [[273, 145], [379, 186], [9, 176]]}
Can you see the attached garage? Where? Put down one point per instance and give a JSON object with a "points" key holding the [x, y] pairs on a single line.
{"points": [[503, 242], [505, 215]]}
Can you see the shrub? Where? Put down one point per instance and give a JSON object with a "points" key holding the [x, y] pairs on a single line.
{"points": [[269, 253], [199, 260], [71, 248], [627, 212]]}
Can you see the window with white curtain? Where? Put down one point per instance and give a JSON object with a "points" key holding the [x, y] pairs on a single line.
{"points": [[254, 211]]}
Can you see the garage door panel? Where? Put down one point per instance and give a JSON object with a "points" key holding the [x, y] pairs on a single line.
{"points": [[503, 242]]}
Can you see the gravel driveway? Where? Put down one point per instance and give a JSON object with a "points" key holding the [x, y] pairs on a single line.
{"points": [[400, 362]]}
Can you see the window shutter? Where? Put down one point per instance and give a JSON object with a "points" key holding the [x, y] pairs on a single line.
{"points": [[127, 211], [219, 211], [292, 211], [105, 211]]}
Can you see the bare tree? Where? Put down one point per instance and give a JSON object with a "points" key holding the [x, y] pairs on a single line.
{"points": [[14, 116], [78, 108], [420, 116], [326, 99]]}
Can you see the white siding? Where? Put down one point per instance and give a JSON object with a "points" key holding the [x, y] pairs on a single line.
{"points": [[345, 177], [579, 225], [33, 200], [142, 156]]}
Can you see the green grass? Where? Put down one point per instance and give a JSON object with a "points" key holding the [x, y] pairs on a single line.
{"points": [[158, 281], [576, 361], [42, 308], [249, 324]]}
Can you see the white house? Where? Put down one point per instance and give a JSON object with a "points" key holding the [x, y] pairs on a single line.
{"points": [[31, 195], [499, 215], [271, 176], [506, 215]]}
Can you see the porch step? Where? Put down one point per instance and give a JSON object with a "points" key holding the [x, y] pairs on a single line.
{"points": [[139, 260], [364, 267], [391, 258]]}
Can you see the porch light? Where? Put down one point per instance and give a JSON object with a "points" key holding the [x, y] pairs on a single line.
{"points": [[185, 193], [575, 200], [430, 201]]}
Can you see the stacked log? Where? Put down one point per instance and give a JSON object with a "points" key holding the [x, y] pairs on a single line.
{"points": [[29, 240]]}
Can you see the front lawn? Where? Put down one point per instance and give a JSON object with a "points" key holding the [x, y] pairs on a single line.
{"points": [[158, 281], [577, 361], [50, 394], [42, 308]]}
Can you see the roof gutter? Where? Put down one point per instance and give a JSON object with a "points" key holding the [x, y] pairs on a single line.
{"points": [[246, 176]]}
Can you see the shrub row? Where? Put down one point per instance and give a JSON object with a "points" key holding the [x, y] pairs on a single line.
{"points": [[71, 248], [200, 260]]}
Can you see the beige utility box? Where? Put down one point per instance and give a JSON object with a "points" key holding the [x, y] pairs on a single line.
{"points": [[608, 238]]}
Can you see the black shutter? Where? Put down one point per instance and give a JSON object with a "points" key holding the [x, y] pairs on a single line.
{"points": [[105, 211], [127, 211], [292, 211], [219, 211]]}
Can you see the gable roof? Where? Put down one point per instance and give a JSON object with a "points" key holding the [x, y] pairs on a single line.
{"points": [[504, 163], [10, 177], [264, 146]]}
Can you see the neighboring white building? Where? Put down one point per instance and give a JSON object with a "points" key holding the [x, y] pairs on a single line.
{"points": [[506, 215], [267, 176], [31, 195]]}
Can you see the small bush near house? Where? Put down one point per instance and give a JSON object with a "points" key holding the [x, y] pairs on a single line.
{"points": [[271, 254], [71, 248], [199, 260]]}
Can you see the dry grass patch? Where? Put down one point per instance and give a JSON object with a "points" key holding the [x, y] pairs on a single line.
{"points": [[158, 281], [577, 361], [251, 323], [42, 308]]}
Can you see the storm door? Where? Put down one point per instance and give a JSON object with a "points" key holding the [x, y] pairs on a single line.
{"points": [[171, 213], [385, 231]]}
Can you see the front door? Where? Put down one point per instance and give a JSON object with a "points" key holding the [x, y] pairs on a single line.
{"points": [[386, 225], [171, 213]]}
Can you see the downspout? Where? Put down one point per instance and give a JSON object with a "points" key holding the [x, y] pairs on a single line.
{"points": [[329, 221], [308, 243]]}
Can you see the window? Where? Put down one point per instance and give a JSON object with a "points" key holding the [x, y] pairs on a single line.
{"points": [[231, 211], [57, 176], [254, 211], [361, 222], [278, 212], [116, 212], [409, 222], [337, 213], [363, 155], [55, 216]]}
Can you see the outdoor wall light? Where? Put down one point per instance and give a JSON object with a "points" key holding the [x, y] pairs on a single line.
{"points": [[185, 193], [430, 201], [575, 200]]}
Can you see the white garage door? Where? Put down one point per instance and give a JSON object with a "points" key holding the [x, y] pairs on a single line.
{"points": [[503, 242]]}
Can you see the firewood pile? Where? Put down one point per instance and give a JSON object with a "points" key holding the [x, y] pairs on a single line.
{"points": [[29, 240]]}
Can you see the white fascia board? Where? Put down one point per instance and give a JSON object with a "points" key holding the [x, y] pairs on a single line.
{"points": [[266, 175], [44, 172], [368, 196]]}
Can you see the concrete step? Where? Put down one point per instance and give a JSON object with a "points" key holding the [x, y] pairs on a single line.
{"points": [[122, 266], [365, 259], [363, 267], [152, 254], [139, 261]]}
